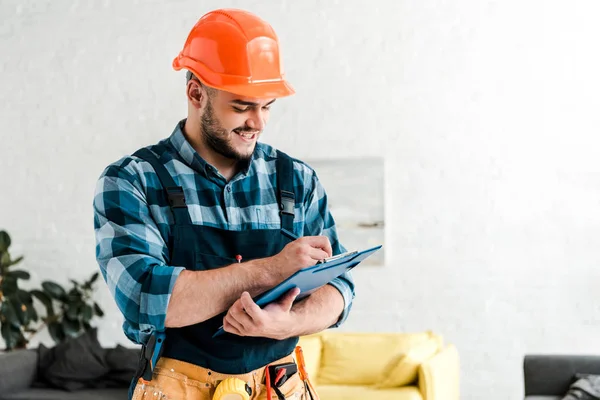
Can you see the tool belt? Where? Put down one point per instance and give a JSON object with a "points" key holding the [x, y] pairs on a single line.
{"points": [[274, 376]]}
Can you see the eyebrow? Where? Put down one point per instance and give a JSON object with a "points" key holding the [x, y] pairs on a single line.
{"points": [[250, 103]]}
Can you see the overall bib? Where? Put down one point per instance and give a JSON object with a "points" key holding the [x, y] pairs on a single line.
{"points": [[199, 248]]}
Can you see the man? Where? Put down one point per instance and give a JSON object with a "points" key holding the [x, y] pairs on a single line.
{"points": [[189, 230]]}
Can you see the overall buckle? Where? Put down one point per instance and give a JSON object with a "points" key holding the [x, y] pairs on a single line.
{"points": [[176, 197], [287, 202]]}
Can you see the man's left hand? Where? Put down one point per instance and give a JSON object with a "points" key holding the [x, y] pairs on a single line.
{"points": [[275, 321]]}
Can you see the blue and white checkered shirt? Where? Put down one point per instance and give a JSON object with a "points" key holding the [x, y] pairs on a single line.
{"points": [[132, 222]]}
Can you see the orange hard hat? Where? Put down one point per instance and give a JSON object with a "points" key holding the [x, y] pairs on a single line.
{"points": [[235, 51]]}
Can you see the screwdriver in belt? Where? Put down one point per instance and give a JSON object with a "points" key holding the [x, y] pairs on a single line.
{"points": [[302, 371]]}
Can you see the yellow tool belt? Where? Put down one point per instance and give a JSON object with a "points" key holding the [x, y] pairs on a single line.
{"points": [[174, 379]]}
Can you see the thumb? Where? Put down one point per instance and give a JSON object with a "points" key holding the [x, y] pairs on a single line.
{"points": [[288, 299]]}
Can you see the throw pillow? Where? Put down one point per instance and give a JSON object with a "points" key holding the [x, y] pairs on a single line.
{"points": [[73, 364], [362, 358], [122, 362], [586, 387], [406, 368]]}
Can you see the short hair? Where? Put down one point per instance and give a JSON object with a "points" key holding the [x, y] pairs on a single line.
{"points": [[190, 75]]}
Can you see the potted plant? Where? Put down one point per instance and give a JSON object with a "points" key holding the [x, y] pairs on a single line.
{"points": [[67, 313]]}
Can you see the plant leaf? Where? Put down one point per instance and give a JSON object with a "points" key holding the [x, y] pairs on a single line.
{"points": [[71, 328], [56, 332], [20, 310], [94, 277], [73, 311], [15, 261], [98, 310], [4, 258], [54, 290], [74, 296], [87, 313], [18, 274], [25, 297], [8, 311], [33, 315], [7, 334], [4, 241], [45, 300], [9, 286]]}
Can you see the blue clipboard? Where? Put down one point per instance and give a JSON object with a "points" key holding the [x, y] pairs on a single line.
{"points": [[312, 278]]}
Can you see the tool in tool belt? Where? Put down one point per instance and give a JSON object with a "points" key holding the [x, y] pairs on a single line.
{"points": [[151, 352], [232, 389], [308, 388], [276, 376]]}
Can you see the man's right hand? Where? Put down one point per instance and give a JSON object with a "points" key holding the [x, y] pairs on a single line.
{"points": [[301, 253]]}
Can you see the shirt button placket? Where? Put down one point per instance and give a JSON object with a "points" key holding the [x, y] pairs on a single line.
{"points": [[228, 203]]}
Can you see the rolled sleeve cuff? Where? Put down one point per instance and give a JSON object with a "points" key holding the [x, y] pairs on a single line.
{"points": [[348, 294], [155, 299]]}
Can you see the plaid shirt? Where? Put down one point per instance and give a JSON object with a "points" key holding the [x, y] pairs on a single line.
{"points": [[132, 222]]}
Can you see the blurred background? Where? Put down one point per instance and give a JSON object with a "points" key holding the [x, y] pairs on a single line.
{"points": [[485, 113]]}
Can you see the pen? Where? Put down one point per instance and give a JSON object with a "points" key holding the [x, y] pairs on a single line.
{"points": [[289, 234]]}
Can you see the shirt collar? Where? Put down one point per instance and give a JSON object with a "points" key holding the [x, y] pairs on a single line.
{"points": [[191, 157]]}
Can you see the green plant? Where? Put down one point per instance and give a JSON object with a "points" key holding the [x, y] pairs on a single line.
{"points": [[76, 307], [16, 305], [68, 313]]}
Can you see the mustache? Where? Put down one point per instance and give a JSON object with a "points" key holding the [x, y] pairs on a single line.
{"points": [[245, 130]]}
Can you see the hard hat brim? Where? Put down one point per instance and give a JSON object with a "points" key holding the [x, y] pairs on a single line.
{"points": [[262, 90], [266, 89]]}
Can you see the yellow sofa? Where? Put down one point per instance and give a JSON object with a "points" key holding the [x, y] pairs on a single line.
{"points": [[381, 366]]}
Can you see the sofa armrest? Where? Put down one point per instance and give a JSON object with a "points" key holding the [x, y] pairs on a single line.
{"points": [[18, 370], [551, 375], [439, 376]]}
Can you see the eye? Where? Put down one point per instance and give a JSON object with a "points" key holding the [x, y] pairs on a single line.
{"points": [[240, 110], [267, 108]]}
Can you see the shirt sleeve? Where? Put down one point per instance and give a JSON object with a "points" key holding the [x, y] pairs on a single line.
{"points": [[319, 221], [131, 252]]}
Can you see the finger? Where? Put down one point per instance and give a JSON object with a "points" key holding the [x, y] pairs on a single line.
{"points": [[229, 327], [288, 299], [235, 323], [317, 254], [240, 316], [320, 242], [252, 309]]}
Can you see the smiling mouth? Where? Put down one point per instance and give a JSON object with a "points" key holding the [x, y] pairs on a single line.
{"points": [[247, 135]]}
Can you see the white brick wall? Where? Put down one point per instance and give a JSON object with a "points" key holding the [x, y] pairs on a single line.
{"points": [[487, 113]]}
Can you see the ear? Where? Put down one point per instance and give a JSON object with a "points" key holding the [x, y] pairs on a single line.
{"points": [[196, 94]]}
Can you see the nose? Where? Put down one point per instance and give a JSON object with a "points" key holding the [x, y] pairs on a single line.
{"points": [[257, 120]]}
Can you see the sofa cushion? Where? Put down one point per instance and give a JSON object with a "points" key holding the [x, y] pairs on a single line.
{"points": [[311, 348], [407, 365], [362, 358], [17, 370], [55, 394], [339, 392]]}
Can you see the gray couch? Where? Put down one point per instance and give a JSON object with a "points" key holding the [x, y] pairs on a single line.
{"points": [[19, 381], [548, 377]]}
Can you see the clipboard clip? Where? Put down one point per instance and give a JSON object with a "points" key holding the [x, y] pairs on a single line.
{"points": [[333, 258]]}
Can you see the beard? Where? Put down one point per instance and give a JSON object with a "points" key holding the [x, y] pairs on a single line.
{"points": [[217, 138]]}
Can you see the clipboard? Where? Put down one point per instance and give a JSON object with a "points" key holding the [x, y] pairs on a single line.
{"points": [[312, 278]]}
